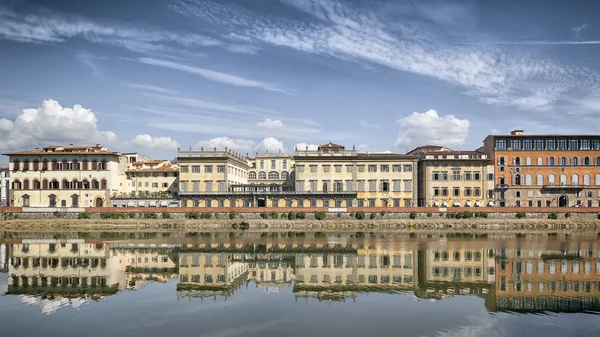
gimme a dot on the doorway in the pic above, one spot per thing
(563, 201)
(261, 202)
(74, 200)
(52, 200)
(98, 202)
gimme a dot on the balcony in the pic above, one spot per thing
(564, 186)
(501, 186)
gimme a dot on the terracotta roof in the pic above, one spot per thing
(455, 152)
(156, 161)
(375, 154)
(59, 153)
(157, 169)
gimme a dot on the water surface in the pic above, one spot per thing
(289, 284)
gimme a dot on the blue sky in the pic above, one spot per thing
(154, 75)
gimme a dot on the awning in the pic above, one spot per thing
(469, 203)
(477, 204)
(123, 204)
(131, 204)
(142, 204)
(491, 203)
(444, 204)
(164, 203)
(456, 204)
(152, 203)
(436, 204)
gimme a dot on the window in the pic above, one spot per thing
(586, 179)
(573, 144)
(371, 202)
(407, 185)
(208, 169)
(361, 168)
(185, 169)
(300, 168)
(563, 179)
(528, 180)
(516, 144)
(273, 165)
(154, 185)
(361, 186)
(372, 168)
(528, 144)
(349, 168)
(313, 185)
(208, 186)
(539, 180)
(384, 168)
(284, 164)
(490, 177)
(477, 176)
(384, 186)
(500, 144)
(444, 191)
(273, 175)
(325, 168)
(285, 175)
(407, 168)
(396, 168)
(338, 186)
(184, 186)
(313, 168)
(349, 186)
(538, 144)
(372, 185)
(338, 168)
(221, 169)
(252, 175)
(468, 175)
(262, 175)
(527, 161)
(477, 191)
(467, 191)
(456, 192)
(436, 191)
(575, 179)
(262, 164)
(550, 144)
(574, 161)
(397, 186)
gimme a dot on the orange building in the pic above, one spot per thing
(545, 170)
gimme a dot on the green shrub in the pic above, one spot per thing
(231, 234)
(360, 215)
(232, 214)
(339, 215)
(373, 215)
(244, 225)
(58, 214)
(481, 215)
(568, 215)
(217, 215)
(553, 216)
(352, 215)
(112, 215)
(192, 215)
(320, 215)
(84, 215)
(166, 215)
(264, 235)
(360, 234)
(521, 215)
(598, 216)
(150, 215)
(292, 234)
(382, 213)
(234, 225)
(284, 216)
(292, 216)
(264, 214)
(413, 215)
(474, 226)
(301, 215)
(274, 235)
(131, 215)
(429, 214)
(274, 215)
(320, 235)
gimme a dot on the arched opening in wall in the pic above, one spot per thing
(25, 200)
(74, 200)
(261, 202)
(52, 201)
(98, 202)
(563, 201)
(518, 179)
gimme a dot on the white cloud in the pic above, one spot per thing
(211, 74)
(360, 33)
(147, 141)
(148, 87)
(270, 144)
(366, 124)
(430, 128)
(53, 124)
(302, 147)
(271, 124)
(579, 29)
(238, 145)
(48, 27)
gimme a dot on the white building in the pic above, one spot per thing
(4, 186)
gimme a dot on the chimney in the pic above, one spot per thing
(71, 145)
(516, 133)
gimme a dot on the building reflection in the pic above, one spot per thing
(551, 274)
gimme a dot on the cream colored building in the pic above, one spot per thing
(5, 183)
(271, 169)
(71, 176)
(152, 178)
(332, 176)
(449, 178)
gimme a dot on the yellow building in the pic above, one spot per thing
(271, 169)
(332, 176)
(71, 176)
(450, 178)
(152, 178)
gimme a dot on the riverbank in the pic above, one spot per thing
(303, 225)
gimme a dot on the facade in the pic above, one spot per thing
(73, 176)
(4, 186)
(151, 178)
(268, 169)
(335, 177)
(545, 170)
(449, 178)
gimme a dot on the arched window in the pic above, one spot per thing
(539, 179)
(17, 184)
(16, 165)
(65, 184)
(65, 165)
(102, 165)
(285, 175)
(563, 179)
(54, 184)
(76, 165)
(517, 179)
(25, 165)
(36, 165)
(574, 179)
(273, 175)
(252, 175)
(94, 165)
(587, 179)
(563, 161)
(103, 184)
(540, 161)
(75, 184)
(597, 180)
(517, 161)
(95, 184)
(528, 180)
(598, 161)
(574, 161)
(45, 184)
(26, 184)
(262, 175)
(85, 165)
(37, 185)
(587, 161)
(527, 161)
(54, 165)
(551, 161)
(551, 180)
(45, 165)
(85, 184)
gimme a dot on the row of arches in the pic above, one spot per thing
(563, 179)
(54, 184)
(561, 161)
(273, 175)
(64, 165)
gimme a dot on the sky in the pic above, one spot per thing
(272, 75)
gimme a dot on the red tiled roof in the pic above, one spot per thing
(157, 169)
(156, 161)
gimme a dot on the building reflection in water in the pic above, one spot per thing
(551, 274)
